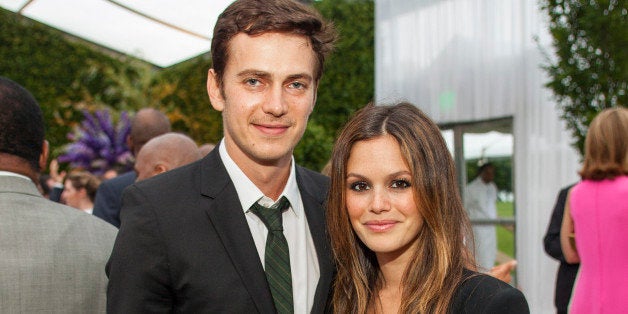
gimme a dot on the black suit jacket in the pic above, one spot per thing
(483, 294)
(109, 197)
(566, 272)
(184, 245)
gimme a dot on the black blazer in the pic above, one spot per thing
(184, 245)
(109, 197)
(567, 273)
(483, 294)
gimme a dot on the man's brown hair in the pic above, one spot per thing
(255, 17)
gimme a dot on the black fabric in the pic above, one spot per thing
(483, 294)
(566, 275)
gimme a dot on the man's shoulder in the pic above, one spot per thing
(61, 219)
(313, 183)
(312, 177)
(182, 179)
(119, 182)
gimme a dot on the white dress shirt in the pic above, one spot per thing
(303, 260)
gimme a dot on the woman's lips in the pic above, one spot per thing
(380, 225)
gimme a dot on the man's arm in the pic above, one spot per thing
(567, 239)
(551, 241)
(138, 272)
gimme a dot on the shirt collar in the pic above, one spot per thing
(13, 174)
(248, 193)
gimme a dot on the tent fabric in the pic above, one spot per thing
(161, 32)
(463, 61)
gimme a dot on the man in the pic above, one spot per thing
(164, 153)
(52, 256)
(566, 276)
(481, 204)
(147, 123)
(191, 240)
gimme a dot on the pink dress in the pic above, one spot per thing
(600, 213)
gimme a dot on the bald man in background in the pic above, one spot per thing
(146, 124)
(164, 153)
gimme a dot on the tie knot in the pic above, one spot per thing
(271, 216)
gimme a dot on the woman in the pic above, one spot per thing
(597, 209)
(79, 190)
(397, 224)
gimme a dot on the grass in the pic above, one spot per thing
(505, 234)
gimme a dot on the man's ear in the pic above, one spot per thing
(129, 143)
(43, 157)
(213, 90)
(160, 168)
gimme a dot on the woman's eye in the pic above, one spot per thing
(400, 184)
(359, 186)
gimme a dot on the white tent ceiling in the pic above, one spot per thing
(162, 32)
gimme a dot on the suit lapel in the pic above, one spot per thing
(220, 201)
(313, 197)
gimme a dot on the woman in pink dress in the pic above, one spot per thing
(596, 218)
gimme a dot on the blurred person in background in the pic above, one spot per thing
(566, 274)
(594, 231)
(480, 201)
(164, 153)
(52, 256)
(206, 148)
(146, 124)
(80, 190)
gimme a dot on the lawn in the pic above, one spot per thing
(505, 234)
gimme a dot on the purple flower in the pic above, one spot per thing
(98, 145)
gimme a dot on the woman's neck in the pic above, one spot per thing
(392, 269)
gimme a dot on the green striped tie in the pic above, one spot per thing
(276, 257)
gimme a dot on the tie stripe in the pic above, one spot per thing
(276, 256)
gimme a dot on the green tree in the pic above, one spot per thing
(47, 63)
(68, 75)
(349, 79)
(590, 69)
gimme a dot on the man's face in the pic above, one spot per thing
(488, 175)
(268, 93)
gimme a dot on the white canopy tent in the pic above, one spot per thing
(466, 62)
(161, 32)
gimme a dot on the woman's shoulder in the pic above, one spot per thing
(481, 293)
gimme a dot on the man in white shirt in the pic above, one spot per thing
(481, 204)
(191, 240)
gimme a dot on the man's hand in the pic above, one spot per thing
(502, 271)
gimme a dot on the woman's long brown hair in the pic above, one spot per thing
(435, 272)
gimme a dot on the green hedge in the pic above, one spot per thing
(67, 75)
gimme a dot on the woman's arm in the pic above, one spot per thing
(567, 236)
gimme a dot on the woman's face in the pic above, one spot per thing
(70, 195)
(380, 198)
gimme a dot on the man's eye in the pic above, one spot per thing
(297, 85)
(359, 186)
(252, 82)
(400, 184)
